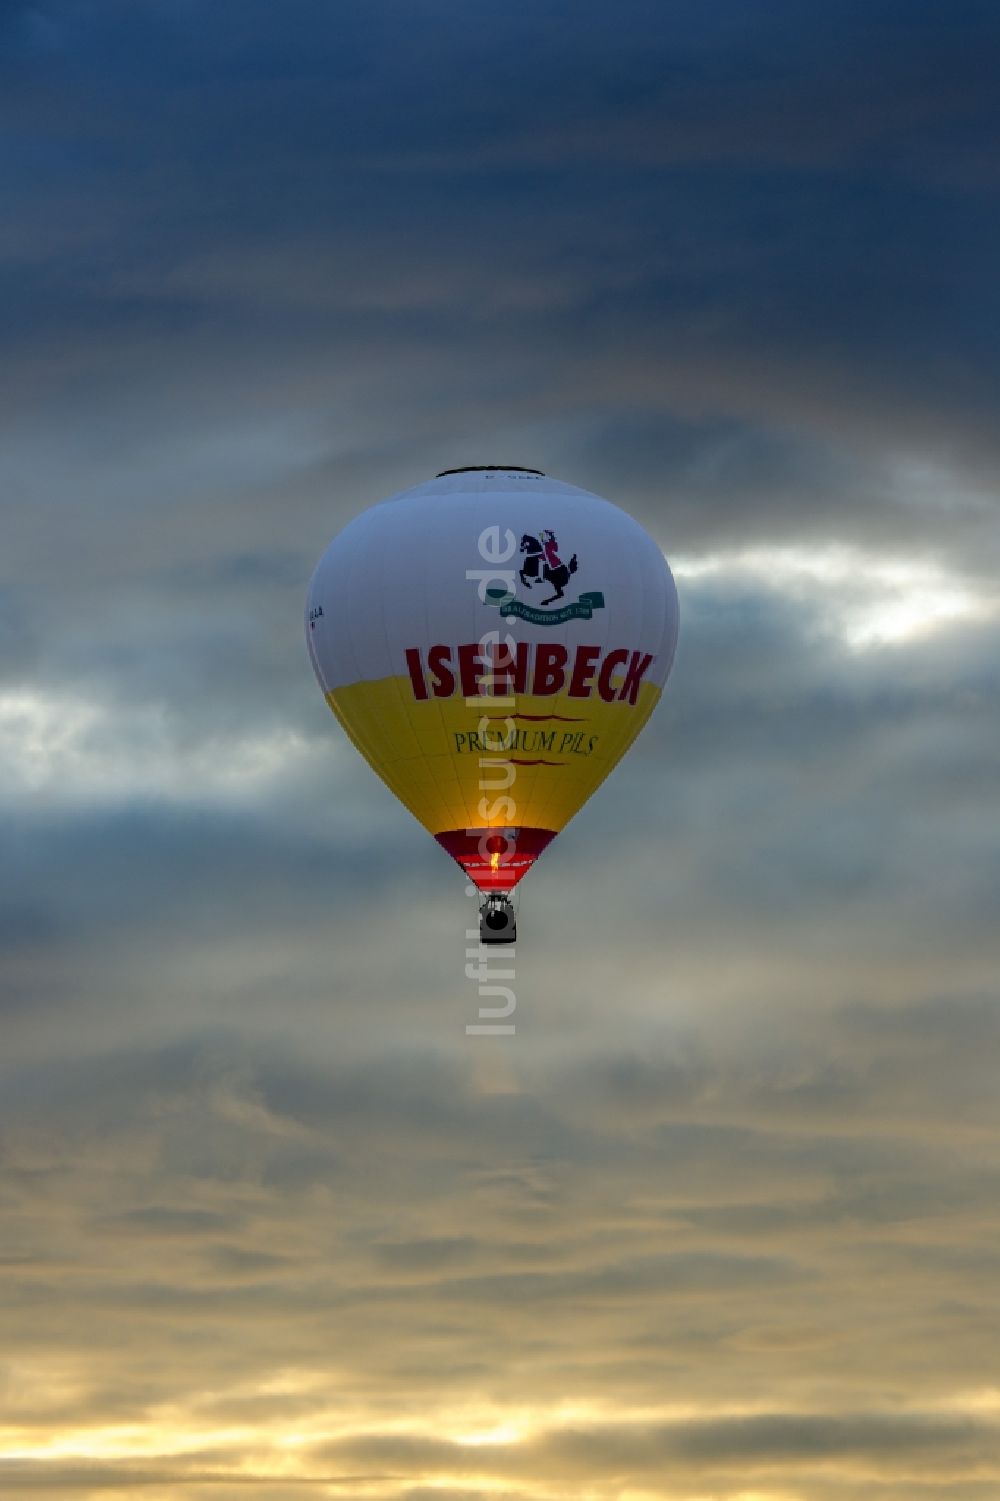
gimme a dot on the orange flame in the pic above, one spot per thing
(495, 861)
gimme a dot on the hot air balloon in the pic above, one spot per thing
(492, 641)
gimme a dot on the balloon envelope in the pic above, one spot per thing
(492, 641)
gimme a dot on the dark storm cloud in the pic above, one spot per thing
(263, 269)
(307, 198)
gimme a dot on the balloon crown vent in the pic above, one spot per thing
(486, 468)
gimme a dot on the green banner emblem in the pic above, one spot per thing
(581, 609)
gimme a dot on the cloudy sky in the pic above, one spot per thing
(720, 1221)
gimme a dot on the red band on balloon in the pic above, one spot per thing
(495, 859)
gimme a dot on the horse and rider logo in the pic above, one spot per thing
(543, 566)
(541, 557)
